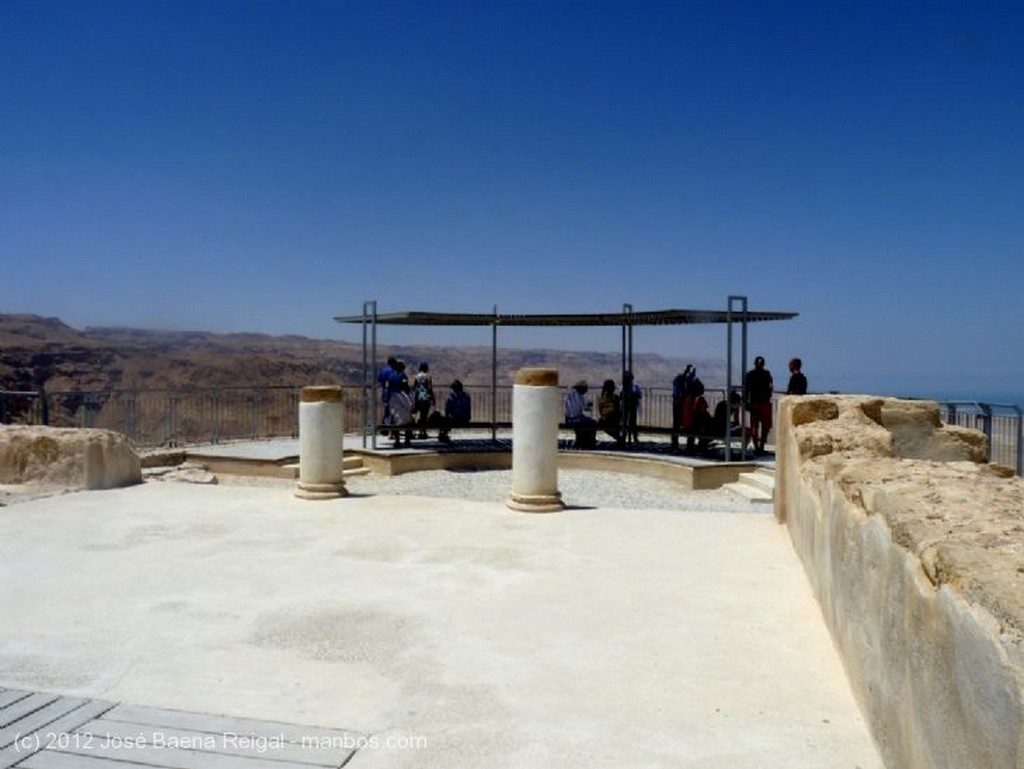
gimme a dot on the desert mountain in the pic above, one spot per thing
(37, 351)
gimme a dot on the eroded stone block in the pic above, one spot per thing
(68, 458)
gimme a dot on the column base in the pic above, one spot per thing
(320, 490)
(536, 503)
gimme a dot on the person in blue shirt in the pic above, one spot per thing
(384, 381)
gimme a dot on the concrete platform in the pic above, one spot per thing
(455, 633)
(279, 457)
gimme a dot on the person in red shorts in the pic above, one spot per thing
(759, 387)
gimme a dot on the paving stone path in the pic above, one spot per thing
(47, 731)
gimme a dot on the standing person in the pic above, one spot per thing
(423, 397)
(759, 386)
(384, 380)
(797, 381)
(396, 379)
(631, 395)
(680, 389)
(401, 413)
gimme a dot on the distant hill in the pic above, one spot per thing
(37, 351)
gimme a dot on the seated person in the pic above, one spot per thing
(457, 411)
(696, 419)
(609, 410)
(718, 421)
(576, 406)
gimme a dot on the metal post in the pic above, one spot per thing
(217, 410)
(627, 338)
(494, 376)
(211, 415)
(729, 320)
(728, 381)
(257, 408)
(172, 416)
(986, 426)
(367, 386)
(129, 415)
(627, 365)
(1020, 441)
(629, 312)
(370, 385)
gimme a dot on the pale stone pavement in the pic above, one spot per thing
(451, 632)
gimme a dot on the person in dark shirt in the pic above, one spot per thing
(759, 387)
(458, 409)
(631, 395)
(609, 409)
(727, 413)
(797, 381)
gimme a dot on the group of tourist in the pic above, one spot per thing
(759, 388)
(691, 415)
(616, 411)
(408, 406)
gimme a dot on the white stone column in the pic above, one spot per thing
(536, 407)
(321, 454)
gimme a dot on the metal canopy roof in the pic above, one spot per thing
(737, 313)
(643, 318)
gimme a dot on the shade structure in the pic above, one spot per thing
(736, 311)
(625, 318)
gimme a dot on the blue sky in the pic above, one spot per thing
(265, 166)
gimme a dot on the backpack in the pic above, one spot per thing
(421, 390)
(683, 384)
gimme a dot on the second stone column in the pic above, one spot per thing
(536, 406)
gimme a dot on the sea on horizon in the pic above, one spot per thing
(991, 397)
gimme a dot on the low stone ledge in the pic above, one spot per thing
(915, 550)
(67, 458)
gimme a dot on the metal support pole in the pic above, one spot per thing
(494, 376)
(623, 367)
(629, 314)
(370, 374)
(728, 382)
(627, 365)
(741, 303)
(627, 338)
(367, 390)
(1020, 440)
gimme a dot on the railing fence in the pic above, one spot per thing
(171, 418)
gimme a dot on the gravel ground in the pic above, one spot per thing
(580, 488)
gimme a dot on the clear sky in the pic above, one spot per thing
(265, 166)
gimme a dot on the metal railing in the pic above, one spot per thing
(171, 418)
(164, 418)
(1001, 423)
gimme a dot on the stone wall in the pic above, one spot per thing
(67, 458)
(915, 550)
